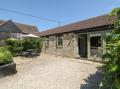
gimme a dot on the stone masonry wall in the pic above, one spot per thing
(67, 50)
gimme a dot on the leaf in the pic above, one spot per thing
(113, 68)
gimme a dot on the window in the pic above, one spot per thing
(95, 46)
(12, 35)
(47, 42)
(95, 41)
(15, 35)
(59, 40)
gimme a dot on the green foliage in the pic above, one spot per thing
(111, 79)
(32, 43)
(16, 46)
(5, 56)
(115, 11)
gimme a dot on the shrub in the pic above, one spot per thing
(5, 56)
(14, 46)
(111, 79)
(32, 43)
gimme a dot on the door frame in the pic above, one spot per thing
(82, 51)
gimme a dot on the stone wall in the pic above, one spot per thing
(67, 50)
(70, 44)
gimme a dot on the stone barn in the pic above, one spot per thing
(84, 39)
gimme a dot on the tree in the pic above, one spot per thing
(111, 79)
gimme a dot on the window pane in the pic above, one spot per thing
(95, 41)
(95, 45)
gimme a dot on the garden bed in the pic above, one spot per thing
(7, 69)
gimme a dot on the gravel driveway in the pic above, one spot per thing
(51, 72)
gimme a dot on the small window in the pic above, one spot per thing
(47, 42)
(60, 41)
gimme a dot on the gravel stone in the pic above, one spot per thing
(52, 72)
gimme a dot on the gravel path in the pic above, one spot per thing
(50, 72)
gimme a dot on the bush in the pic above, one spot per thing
(5, 56)
(14, 46)
(111, 79)
(32, 43)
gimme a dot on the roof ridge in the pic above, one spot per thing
(17, 23)
(22, 27)
(93, 22)
(12, 23)
(24, 24)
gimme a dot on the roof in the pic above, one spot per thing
(9, 26)
(24, 28)
(99, 21)
(2, 22)
(27, 28)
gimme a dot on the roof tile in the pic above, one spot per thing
(103, 20)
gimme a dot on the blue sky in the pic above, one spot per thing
(66, 11)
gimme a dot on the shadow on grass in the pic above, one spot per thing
(92, 82)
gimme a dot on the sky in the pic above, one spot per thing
(66, 11)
